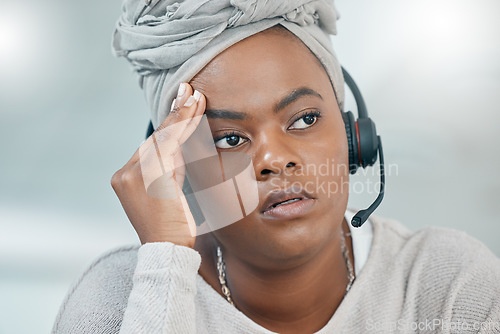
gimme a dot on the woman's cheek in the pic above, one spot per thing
(329, 175)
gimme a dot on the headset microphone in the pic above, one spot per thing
(364, 143)
(362, 215)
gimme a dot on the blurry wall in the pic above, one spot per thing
(71, 114)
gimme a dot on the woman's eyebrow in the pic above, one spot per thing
(226, 114)
(236, 115)
(295, 95)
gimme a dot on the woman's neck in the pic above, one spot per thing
(297, 300)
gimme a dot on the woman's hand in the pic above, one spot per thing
(161, 213)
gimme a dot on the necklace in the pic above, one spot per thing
(345, 252)
(221, 268)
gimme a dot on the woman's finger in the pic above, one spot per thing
(184, 93)
(172, 127)
(195, 120)
(173, 134)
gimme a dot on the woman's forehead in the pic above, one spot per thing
(267, 60)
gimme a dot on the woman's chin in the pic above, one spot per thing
(286, 238)
(293, 246)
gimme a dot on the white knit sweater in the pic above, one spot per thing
(434, 280)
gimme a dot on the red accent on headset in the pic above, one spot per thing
(359, 144)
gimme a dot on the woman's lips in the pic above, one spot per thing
(289, 210)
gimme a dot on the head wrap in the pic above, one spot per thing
(169, 42)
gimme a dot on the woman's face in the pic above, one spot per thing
(292, 140)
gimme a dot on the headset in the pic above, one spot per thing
(363, 142)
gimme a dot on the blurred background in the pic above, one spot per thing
(71, 115)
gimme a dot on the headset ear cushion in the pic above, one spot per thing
(368, 141)
(352, 141)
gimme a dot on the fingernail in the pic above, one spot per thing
(190, 101)
(182, 90)
(173, 104)
(197, 95)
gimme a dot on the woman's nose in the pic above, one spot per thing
(276, 155)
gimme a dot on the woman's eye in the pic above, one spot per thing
(229, 141)
(305, 121)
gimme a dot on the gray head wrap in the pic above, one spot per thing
(169, 42)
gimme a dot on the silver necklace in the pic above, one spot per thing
(345, 252)
(221, 268)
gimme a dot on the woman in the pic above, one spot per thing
(265, 77)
